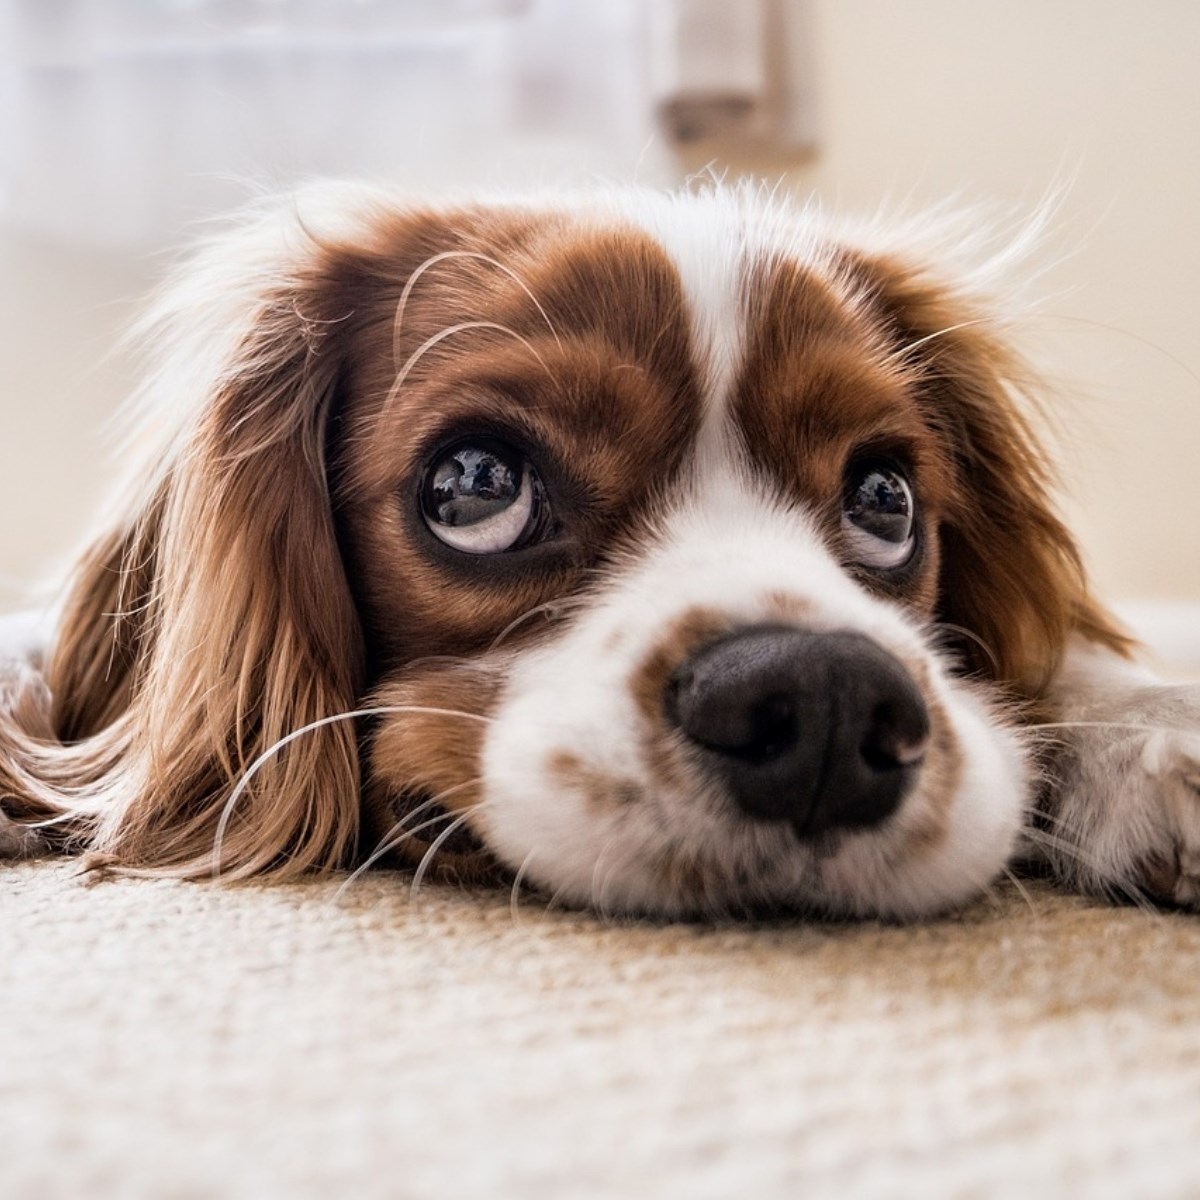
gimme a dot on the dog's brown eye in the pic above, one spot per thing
(482, 497)
(878, 516)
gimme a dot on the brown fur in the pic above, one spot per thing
(1011, 574)
(274, 571)
(214, 623)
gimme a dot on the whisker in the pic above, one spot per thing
(514, 903)
(554, 897)
(429, 343)
(392, 843)
(1131, 725)
(554, 607)
(1061, 823)
(459, 254)
(598, 901)
(1149, 343)
(252, 770)
(1067, 847)
(971, 636)
(399, 833)
(909, 347)
(1022, 891)
(1045, 740)
(429, 855)
(1076, 854)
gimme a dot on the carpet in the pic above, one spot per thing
(175, 1040)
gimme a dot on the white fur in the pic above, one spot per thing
(728, 547)
(1127, 776)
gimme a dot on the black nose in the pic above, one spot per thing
(823, 730)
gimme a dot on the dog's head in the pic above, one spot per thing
(685, 551)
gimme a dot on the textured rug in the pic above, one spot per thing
(175, 1040)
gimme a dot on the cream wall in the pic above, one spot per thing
(60, 314)
(996, 100)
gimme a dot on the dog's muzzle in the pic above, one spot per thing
(820, 730)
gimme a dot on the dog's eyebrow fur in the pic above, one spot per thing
(1011, 573)
(606, 407)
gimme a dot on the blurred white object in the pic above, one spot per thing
(709, 60)
(738, 72)
(120, 122)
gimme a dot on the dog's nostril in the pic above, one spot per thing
(896, 737)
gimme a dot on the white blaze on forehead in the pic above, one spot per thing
(710, 258)
(721, 242)
(708, 240)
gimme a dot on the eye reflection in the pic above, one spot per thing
(473, 483)
(878, 516)
(481, 496)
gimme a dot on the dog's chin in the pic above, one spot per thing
(762, 874)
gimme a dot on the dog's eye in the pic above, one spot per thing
(878, 516)
(482, 497)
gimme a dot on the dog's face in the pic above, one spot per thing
(684, 549)
(658, 496)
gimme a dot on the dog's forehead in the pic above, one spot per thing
(783, 330)
(727, 255)
(642, 329)
(795, 365)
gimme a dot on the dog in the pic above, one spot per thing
(672, 554)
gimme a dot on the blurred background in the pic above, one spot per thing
(122, 124)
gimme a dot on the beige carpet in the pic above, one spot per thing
(179, 1040)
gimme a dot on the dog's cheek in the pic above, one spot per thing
(570, 806)
(423, 777)
(953, 836)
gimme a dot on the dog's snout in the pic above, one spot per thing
(822, 730)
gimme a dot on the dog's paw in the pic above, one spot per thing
(1171, 761)
(1123, 817)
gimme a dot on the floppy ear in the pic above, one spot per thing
(213, 619)
(1011, 574)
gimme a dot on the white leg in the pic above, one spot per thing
(1121, 810)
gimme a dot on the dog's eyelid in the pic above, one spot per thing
(477, 428)
(897, 455)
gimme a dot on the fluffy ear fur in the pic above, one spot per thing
(213, 618)
(1011, 574)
